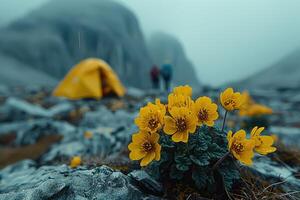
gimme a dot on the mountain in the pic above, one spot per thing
(50, 40)
(166, 48)
(283, 74)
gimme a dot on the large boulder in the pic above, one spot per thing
(25, 181)
(51, 39)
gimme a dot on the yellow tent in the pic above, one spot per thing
(91, 78)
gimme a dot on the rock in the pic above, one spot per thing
(20, 109)
(105, 142)
(276, 172)
(62, 182)
(135, 93)
(146, 182)
(288, 135)
(105, 118)
(29, 132)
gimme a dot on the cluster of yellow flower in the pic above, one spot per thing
(181, 116)
(250, 108)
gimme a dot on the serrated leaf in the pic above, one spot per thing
(182, 167)
(200, 178)
(201, 160)
(215, 152)
(175, 174)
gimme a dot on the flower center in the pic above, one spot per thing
(147, 146)
(229, 102)
(203, 115)
(181, 124)
(153, 123)
(238, 147)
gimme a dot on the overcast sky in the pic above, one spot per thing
(225, 39)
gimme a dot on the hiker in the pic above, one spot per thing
(166, 73)
(154, 73)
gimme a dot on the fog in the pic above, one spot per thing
(226, 40)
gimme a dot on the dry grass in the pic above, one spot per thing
(254, 187)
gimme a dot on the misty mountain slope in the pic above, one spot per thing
(13, 73)
(165, 47)
(62, 32)
(283, 74)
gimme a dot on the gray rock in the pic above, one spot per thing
(135, 93)
(29, 132)
(146, 181)
(17, 109)
(62, 182)
(105, 118)
(276, 172)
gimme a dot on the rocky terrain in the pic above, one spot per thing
(39, 135)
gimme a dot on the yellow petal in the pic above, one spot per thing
(229, 139)
(253, 131)
(170, 125)
(137, 154)
(147, 159)
(265, 150)
(154, 137)
(266, 140)
(180, 137)
(157, 152)
(210, 123)
(240, 135)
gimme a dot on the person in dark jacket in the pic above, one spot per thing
(154, 73)
(166, 73)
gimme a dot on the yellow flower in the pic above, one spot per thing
(258, 109)
(206, 111)
(231, 100)
(263, 144)
(247, 101)
(183, 90)
(75, 162)
(241, 147)
(144, 146)
(151, 117)
(181, 122)
(179, 100)
(88, 134)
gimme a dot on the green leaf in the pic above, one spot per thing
(201, 160)
(166, 141)
(176, 174)
(182, 163)
(202, 178)
(182, 167)
(215, 152)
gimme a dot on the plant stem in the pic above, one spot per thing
(220, 161)
(224, 120)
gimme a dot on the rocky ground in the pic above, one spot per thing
(39, 134)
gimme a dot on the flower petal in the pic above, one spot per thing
(170, 125)
(137, 154)
(147, 159)
(157, 152)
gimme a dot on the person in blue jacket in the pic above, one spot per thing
(166, 72)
